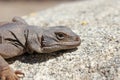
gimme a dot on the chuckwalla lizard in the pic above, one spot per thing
(17, 37)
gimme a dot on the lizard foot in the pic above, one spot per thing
(9, 74)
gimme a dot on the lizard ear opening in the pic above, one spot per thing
(42, 41)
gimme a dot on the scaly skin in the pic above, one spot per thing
(18, 37)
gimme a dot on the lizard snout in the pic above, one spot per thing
(78, 40)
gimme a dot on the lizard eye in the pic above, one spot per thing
(60, 36)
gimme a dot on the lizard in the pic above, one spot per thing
(18, 37)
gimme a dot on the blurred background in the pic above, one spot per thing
(11, 8)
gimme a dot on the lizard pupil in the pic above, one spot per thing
(60, 36)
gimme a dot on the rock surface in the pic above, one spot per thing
(97, 22)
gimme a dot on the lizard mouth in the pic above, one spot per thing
(59, 46)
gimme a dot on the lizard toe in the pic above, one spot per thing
(3, 78)
(19, 73)
(9, 74)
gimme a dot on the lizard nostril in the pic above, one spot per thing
(77, 38)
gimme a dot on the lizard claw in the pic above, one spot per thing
(19, 73)
(9, 74)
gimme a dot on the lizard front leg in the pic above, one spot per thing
(8, 51)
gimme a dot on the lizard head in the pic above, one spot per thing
(59, 38)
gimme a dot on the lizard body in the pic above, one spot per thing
(18, 37)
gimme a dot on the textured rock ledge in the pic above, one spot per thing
(97, 22)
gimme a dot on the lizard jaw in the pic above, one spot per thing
(60, 46)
